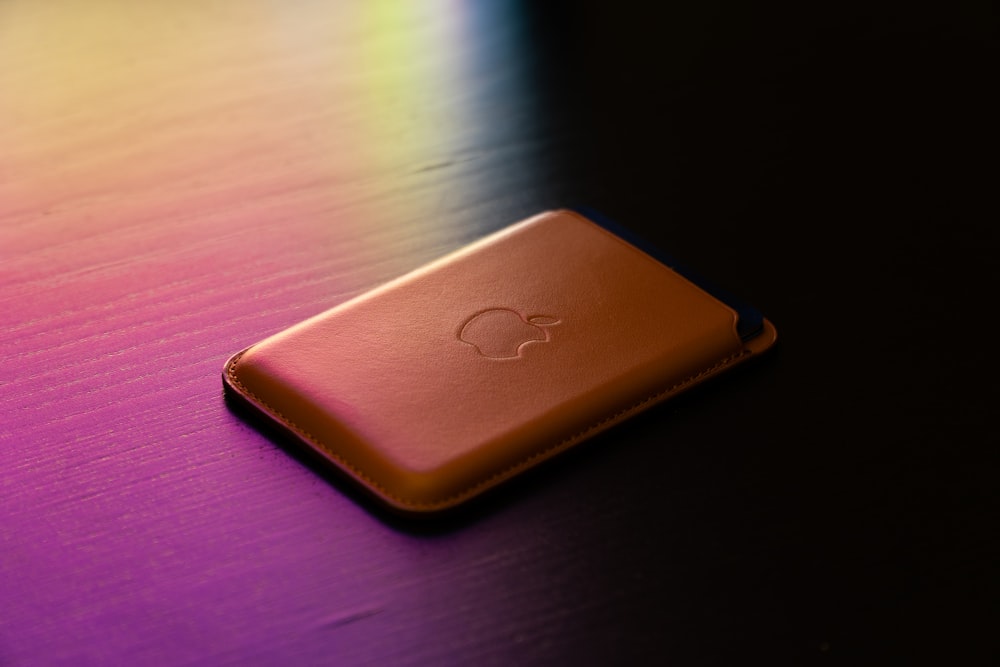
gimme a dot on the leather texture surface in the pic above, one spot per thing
(452, 378)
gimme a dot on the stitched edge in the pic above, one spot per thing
(496, 477)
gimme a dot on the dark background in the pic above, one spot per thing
(836, 165)
(833, 502)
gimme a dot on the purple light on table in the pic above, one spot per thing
(177, 183)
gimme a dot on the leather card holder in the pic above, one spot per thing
(443, 383)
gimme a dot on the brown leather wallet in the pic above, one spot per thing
(447, 381)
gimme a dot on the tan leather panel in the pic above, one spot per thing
(451, 378)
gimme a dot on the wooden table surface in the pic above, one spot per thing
(180, 179)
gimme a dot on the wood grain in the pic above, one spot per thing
(179, 180)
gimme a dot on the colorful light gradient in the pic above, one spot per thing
(177, 181)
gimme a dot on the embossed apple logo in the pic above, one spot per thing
(500, 333)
